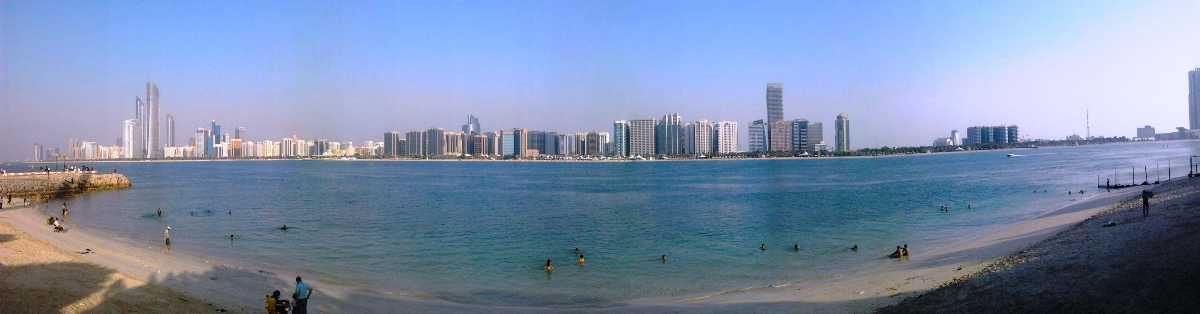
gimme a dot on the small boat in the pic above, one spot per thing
(1015, 155)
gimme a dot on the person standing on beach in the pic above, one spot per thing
(1146, 195)
(64, 210)
(303, 291)
(167, 237)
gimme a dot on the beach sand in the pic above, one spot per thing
(145, 273)
(1144, 265)
(36, 277)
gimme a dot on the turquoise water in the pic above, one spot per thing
(478, 232)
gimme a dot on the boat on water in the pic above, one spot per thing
(1015, 155)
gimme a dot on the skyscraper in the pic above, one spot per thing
(955, 138)
(816, 136)
(435, 142)
(774, 102)
(799, 135)
(129, 131)
(779, 136)
(240, 133)
(171, 130)
(641, 137)
(416, 143)
(726, 134)
(472, 125)
(1013, 134)
(1194, 98)
(521, 143)
(842, 133)
(391, 144)
(667, 135)
(758, 136)
(621, 138)
(139, 117)
(154, 143)
(700, 140)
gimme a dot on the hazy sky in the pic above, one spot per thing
(905, 71)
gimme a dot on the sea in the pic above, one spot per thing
(480, 232)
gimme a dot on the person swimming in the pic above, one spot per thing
(549, 266)
(582, 260)
(796, 247)
(762, 246)
(284, 228)
(904, 250)
(158, 211)
(663, 258)
(896, 254)
(854, 248)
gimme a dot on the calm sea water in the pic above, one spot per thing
(478, 232)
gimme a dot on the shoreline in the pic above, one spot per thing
(1113, 261)
(234, 287)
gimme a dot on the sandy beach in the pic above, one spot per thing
(1140, 264)
(134, 271)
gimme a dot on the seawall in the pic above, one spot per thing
(42, 186)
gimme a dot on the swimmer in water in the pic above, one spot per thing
(664, 259)
(549, 266)
(231, 237)
(796, 247)
(284, 228)
(158, 212)
(582, 260)
(854, 248)
(762, 246)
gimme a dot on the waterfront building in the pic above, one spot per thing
(816, 137)
(1145, 133)
(1194, 99)
(550, 143)
(758, 136)
(171, 130)
(1014, 135)
(39, 154)
(199, 147)
(700, 140)
(974, 135)
(492, 147)
(621, 138)
(240, 133)
(726, 137)
(799, 135)
(779, 135)
(521, 142)
(955, 138)
(415, 141)
(537, 141)
(129, 133)
(605, 143)
(478, 145)
(508, 144)
(435, 142)
(391, 144)
(642, 137)
(841, 134)
(999, 135)
(667, 135)
(454, 144)
(139, 117)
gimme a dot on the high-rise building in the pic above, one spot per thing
(521, 142)
(391, 144)
(593, 145)
(726, 137)
(1000, 134)
(621, 138)
(129, 133)
(799, 135)
(841, 134)
(774, 102)
(816, 137)
(493, 144)
(472, 125)
(435, 142)
(758, 136)
(700, 140)
(240, 133)
(200, 146)
(779, 136)
(39, 154)
(507, 144)
(667, 135)
(642, 137)
(1194, 99)
(416, 143)
(171, 130)
(955, 138)
(550, 143)
(974, 136)
(139, 117)
(154, 143)
(605, 144)
(1014, 136)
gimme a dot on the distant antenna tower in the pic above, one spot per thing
(1087, 118)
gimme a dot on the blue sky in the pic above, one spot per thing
(905, 71)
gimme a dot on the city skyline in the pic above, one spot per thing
(1040, 73)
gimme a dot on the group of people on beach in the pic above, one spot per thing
(298, 304)
(549, 266)
(55, 223)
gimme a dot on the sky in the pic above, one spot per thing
(905, 72)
